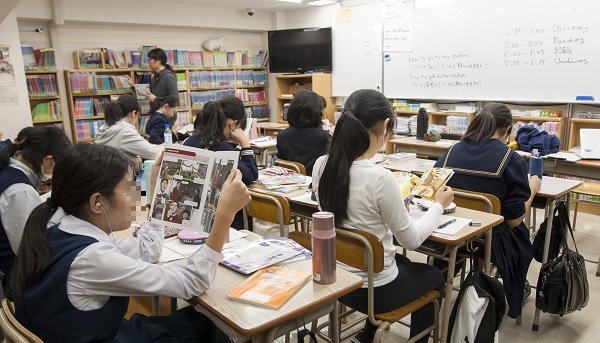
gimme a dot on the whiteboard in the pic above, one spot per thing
(353, 67)
(536, 50)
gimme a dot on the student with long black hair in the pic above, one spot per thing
(305, 140)
(365, 196)
(84, 277)
(155, 127)
(120, 132)
(23, 166)
(219, 123)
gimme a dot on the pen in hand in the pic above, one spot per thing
(443, 225)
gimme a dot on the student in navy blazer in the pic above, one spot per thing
(155, 127)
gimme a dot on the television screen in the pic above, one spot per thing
(300, 50)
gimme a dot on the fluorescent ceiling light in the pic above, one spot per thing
(322, 2)
(294, 1)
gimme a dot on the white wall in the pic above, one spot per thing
(14, 117)
(317, 16)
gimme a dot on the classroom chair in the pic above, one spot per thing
(271, 208)
(589, 189)
(13, 330)
(295, 166)
(364, 251)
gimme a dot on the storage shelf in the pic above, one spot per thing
(248, 104)
(44, 97)
(530, 118)
(41, 71)
(47, 121)
(585, 120)
(89, 118)
(100, 94)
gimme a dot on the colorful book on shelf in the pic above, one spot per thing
(270, 287)
(431, 181)
(28, 57)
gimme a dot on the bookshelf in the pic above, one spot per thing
(288, 85)
(44, 97)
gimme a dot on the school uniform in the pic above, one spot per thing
(163, 84)
(375, 205)
(126, 138)
(303, 145)
(83, 293)
(155, 127)
(491, 167)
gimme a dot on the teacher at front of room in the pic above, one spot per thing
(163, 81)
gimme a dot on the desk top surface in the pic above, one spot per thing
(272, 126)
(409, 165)
(554, 187)
(442, 144)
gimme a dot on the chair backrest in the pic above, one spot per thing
(483, 202)
(295, 166)
(13, 330)
(269, 207)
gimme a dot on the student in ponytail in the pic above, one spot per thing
(84, 275)
(155, 127)
(120, 131)
(490, 119)
(365, 196)
(23, 166)
(220, 127)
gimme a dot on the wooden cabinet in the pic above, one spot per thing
(44, 97)
(577, 124)
(288, 85)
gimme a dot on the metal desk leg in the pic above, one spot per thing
(569, 198)
(487, 256)
(550, 208)
(334, 323)
(448, 295)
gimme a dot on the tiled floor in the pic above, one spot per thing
(581, 326)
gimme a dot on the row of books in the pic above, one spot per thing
(251, 77)
(183, 100)
(90, 58)
(88, 107)
(212, 78)
(190, 58)
(46, 111)
(91, 83)
(41, 85)
(38, 59)
(145, 76)
(114, 59)
(588, 115)
(200, 97)
(251, 97)
(406, 125)
(88, 129)
(550, 127)
(259, 111)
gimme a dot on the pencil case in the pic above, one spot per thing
(191, 237)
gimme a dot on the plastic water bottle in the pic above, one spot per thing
(536, 165)
(168, 134)
(323, 244)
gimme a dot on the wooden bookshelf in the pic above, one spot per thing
(38, 99)
(288, 85)
(580, 123)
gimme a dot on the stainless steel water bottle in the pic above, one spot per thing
(323, 244)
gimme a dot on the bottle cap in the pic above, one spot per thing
(323, 221)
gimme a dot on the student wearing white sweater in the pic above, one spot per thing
(120, 132)
(366, 196)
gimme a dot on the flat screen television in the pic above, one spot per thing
(300, 50)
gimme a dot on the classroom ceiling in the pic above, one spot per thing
(258, 5)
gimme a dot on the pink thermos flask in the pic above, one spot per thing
(323, 244)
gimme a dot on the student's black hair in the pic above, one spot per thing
(171, 100)
(159, 54)
(113, 113)
(365, 110)
(186, 211)
(39, 143)
(84, 170)
(306, 110)
(128, 104)
(210, 124)
(491, 118)
(24, 133)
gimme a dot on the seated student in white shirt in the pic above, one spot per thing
(23, 166)
(72, 281)
(365, 196)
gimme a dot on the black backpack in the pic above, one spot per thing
(560, 217)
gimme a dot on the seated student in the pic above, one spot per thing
(221, 121)
(84, 277)
(305, 140)
(155, 127)
(20, 136)
(23, 166)
(365, 196)
(483, 163)
(120, 132)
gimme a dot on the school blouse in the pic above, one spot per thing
(102, 269)
(303, 145)
(16, 204)
(375, 205)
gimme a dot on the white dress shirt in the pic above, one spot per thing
(115, 267)
(375, 205)
(16, 204)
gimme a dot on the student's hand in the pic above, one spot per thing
(137, 164)
(150, 96)
(535, 184)
(129, 80)
(444, 196)
(234, 194)
(240, 136)
(154, 173)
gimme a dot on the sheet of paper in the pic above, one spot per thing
(305, 198)
(567, 156)
(398, 38)
(372, 39)
(169, 255)
(451, 229)
(343, 16)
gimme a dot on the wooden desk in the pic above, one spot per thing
(420, 147)
(263, 149)
(552, 189)
(410, 165)
(271, 129)
(589, 169)
(242, 322)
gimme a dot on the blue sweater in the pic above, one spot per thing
(156, 127)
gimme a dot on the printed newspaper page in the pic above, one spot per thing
(188, 186)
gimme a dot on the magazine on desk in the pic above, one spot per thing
(188, 186)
